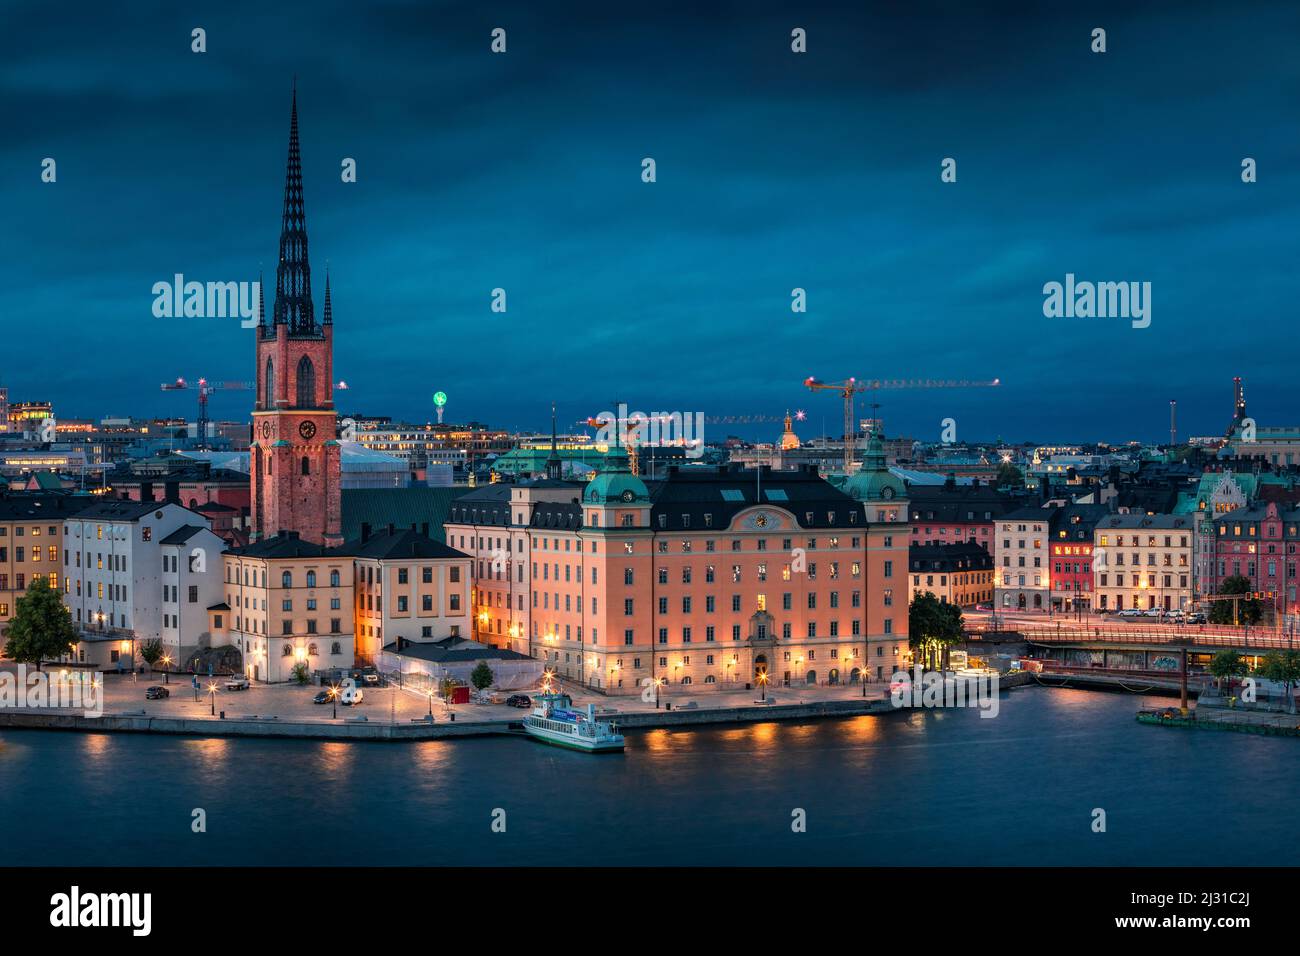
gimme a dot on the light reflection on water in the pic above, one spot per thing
(889, 789)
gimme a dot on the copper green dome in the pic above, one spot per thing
(616, 482)
(874, 481)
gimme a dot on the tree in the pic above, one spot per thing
(300, 673)
(481, 676)
(151, 651)
(1227, 664)
(1284, 668)
(1247, 611)
(932, 626)
(1009, 476)
(41, 627)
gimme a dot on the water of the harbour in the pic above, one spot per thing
(925, 788)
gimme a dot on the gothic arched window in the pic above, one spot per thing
(268, 387)
(306, 466)
(306, 383)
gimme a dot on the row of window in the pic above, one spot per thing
(36, 552)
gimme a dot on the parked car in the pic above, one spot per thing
(1131, 612)
(237, 683)
(370, 678)
(1196, 617)
(1153, 612)
(518, 700)
(322, 697)
(156, 693)
(983, 607)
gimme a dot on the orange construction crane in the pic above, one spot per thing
(853, 386)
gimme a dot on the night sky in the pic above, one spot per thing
(775, 171)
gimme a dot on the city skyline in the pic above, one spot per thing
(471, 178)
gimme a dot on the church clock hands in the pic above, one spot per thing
(307, 429)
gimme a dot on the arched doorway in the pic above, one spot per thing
(812, 677)
(760, 665)
(855, 675)
(1020, 602)
(833, 678)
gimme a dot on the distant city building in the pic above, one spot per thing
(31, 542)
(113, 576)
(960, 574)
(1143, 561)
(1021, 552)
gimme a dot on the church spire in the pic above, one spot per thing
(293, 274)
(327, 314)
(553, 467)
(261, 300)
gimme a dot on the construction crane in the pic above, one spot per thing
(851, 387)
(205, 388)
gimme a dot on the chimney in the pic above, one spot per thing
(365, 532)
(146, 491)
(951, 481)
(172, 492)
(424, 529)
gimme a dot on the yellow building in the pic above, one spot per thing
(960, 574)
(31, 543)
(291, 602)
(409, 588)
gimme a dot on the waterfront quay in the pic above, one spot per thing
(395, 713)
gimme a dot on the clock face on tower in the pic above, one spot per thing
(266, 428)
(307, 429)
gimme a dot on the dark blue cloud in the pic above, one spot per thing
(775, 171)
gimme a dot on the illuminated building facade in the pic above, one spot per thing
(1143, 561)
(706, 578)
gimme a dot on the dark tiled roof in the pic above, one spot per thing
(682, 500)
(400, 544)
(955, 503)
(400, 507)
(286, 544)
(19, 506)
(121, 509)
(965, 556)
(1077, 521)
(183, 534)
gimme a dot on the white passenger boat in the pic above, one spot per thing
(554, 721)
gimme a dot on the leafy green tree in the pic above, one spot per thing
(1009, 476)
(151, 651)
(1284, 668)
(933, 626)
(301, 673)
(1227, 664)
(481, 676)
(41, 627)
(1249, 610)
(446, 685)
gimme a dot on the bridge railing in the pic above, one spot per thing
(1156, 635)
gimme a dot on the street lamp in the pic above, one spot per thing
(212, 696)
(167, 663)
(762, 684)
(659, 682)
(334, 699)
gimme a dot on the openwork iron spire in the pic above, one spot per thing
(327, 314)
(293, 275)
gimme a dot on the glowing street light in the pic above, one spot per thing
(659, 682)
(334, 699)
(167, 663)
(762, 684)
(212, 696)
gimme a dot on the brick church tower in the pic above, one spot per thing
(295, 451)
